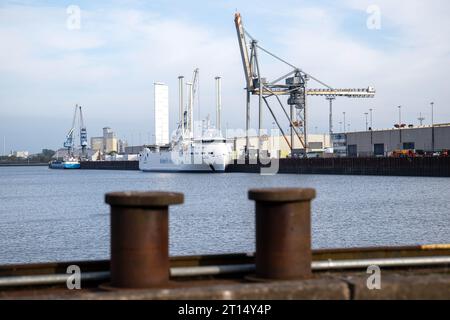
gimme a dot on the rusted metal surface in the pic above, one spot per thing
(283, 233)
(235, 258)
(408, 284)
(430, 282)
(382, 252)
(140, 238)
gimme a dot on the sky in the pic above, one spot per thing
(108, 60)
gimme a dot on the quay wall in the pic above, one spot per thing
(426, 166)
(110, 165)
(431, 167)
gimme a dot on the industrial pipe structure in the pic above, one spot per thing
(322, 265)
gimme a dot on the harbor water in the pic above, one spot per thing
(60, 215)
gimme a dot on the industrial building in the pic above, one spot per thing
(279, 144)
(97, 143)
(383, 142)
(19, 154)
(108, 143)
(90, 154)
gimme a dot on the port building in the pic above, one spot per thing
(277, 145)
(108, 143)
(383, 142)
(97, 143)
(19, 154)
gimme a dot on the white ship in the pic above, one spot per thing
(188, 155)
(207, 151)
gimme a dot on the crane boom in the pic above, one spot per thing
(244, 53)
(351, 93)
(68, 143)
(194, 82)
(83, 134)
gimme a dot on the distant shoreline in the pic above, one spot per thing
(26, 164)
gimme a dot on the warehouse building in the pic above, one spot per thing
(384, 142)
(278, 145)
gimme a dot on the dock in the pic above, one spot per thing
(384, 166)
(283, 266)
(225, 277)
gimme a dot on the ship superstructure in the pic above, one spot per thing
(195, 146)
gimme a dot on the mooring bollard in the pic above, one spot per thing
(140, 238)
(283, 232)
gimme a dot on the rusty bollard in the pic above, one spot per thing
(283, 233)
(140, 238)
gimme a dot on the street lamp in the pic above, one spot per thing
(344, 120)
(400, 126)
(365, 113)
(371, 124)
(432, 125)
(432, 113)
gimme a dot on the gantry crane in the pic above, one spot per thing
(292, 84)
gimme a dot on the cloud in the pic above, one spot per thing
(109, 65)
(405, 61)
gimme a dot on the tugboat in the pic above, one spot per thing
(64, 164)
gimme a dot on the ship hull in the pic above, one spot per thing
(186, 161)
(162, 163)
(185, 168)
(64, 165)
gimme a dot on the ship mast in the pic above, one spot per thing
(192, 89)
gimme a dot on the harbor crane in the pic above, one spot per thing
(69, 143)
(293, 84)
(83, 134)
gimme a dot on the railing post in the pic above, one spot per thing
(140, 238)
(283, 232)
